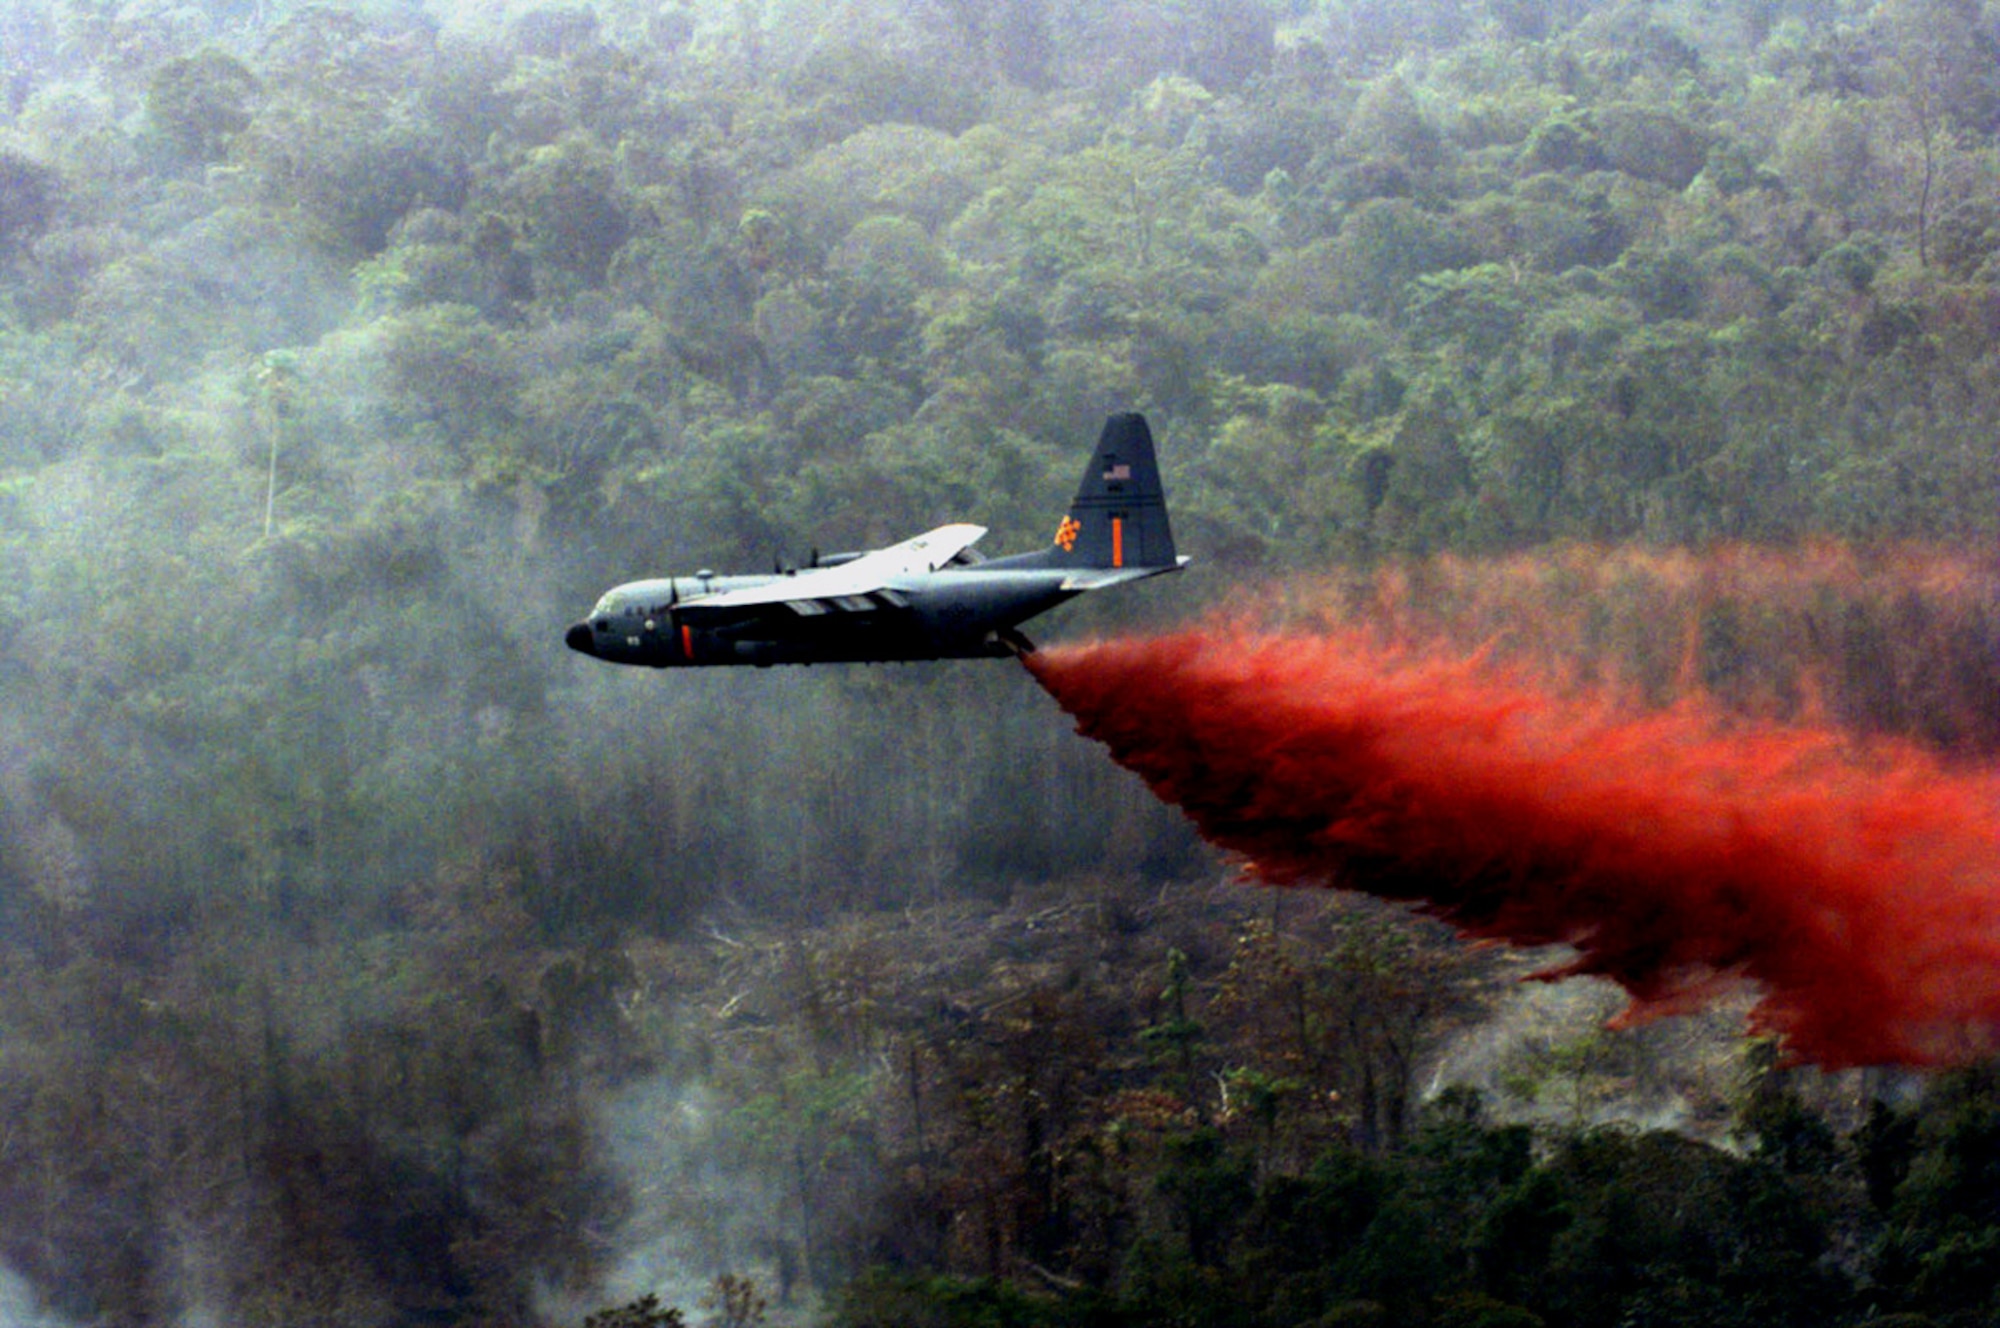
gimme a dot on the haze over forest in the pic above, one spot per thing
(367, 957)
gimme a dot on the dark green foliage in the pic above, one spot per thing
(849, 86)
(1650, 144)
(1884, 1147)
(1941, 1248)
(1795, 1139)
(563, 201)
(645, 1312)
(1207, 1190)
(1564, 142)
(1664, 1227)
(1478, 1311)
(880, 1300)
(28, 200)
(1465, 1227)
(1515, 1236)
(1302, 1225)
(1389, 242)
(199, 103)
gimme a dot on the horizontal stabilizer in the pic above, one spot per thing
(1102, 578)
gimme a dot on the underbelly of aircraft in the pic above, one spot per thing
(713, 649)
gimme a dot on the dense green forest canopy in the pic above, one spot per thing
(348, 350)
(351, 347)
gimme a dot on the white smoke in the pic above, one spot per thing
(1547, 1055)
(699, 1209)
(20, 1307)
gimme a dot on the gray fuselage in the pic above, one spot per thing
(956, 612)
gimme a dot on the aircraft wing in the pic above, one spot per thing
(860, 586)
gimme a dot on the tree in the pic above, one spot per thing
(564, 202)
(448, 369)
(1651, 144)
(1385, 244)
(1932, 66)
(1388, 123)
(198, 104)
(1208, 1189)
(29, 201)
(645, 1312)
(1175, 1038)
(1942, 1247)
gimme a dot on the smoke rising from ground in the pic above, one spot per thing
(19, 1307)
(1678, 850)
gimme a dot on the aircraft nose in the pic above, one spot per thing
(578, 639)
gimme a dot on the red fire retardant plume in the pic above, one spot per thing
(1678, 852)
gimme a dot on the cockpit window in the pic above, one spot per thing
(607, 605)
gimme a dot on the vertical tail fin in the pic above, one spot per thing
(1119, 515)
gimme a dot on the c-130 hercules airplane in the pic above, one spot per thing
(931, 597)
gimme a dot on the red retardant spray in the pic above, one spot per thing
(1679, 850)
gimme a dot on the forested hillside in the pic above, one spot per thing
(367, 957)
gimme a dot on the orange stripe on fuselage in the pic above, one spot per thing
(687, 643)
(1117, 542)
